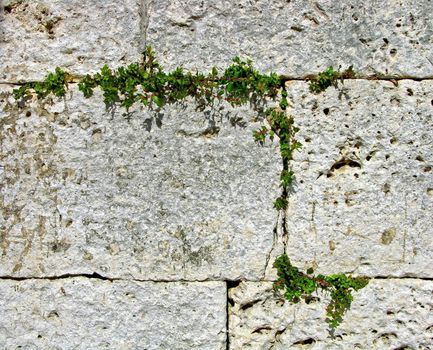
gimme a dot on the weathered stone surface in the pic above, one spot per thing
(79, 36)
(296, 37)
(387, 314)
(363, 198)
(173, 195)
(82, 313)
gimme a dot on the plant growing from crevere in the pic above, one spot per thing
(147, 83)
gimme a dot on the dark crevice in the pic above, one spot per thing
(93, 275)
(401, 278)
(230, 283)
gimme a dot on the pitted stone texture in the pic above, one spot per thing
(387, 314)
(296, 37)
(179, 194)
(363, 198)
(79, 36)
(82, 313)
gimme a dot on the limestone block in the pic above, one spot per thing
(296, 37)
(170, 195)
(82, 313)
(363, 199)
(387, 314)
(77, 35)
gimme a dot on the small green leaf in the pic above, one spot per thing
(158, 100)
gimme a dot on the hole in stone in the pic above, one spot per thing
(326, 111)
(261, 329)
(409, 92)
(427, 169)
(249, 304)
(28, 114)
(393, 140)
(305, 341)
(393, 52)
(233, 284)
(385, 41)
(349, 162)
(419, 158)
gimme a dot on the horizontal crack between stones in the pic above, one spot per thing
(284, 78)
(231, 283)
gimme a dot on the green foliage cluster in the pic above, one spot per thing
(329, 77)
(54, 83)
(297, 285)
(282, 126)
(147, 83)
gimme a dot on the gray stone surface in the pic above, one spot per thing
(82, 313)
(182, 194)
(387, 314)
(363, 198)
(296, 37)
(77, 35)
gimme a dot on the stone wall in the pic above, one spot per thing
(157, 230)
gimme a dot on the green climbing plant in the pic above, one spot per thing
(147, 83)
(296, 285)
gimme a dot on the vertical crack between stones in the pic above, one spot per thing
(285, 235)
(227, 317)
(274, 241)
(229, 302)
(144, 10)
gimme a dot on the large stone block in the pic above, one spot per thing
(82, 313)
(296, 37)
(79, 36)
(363, 198)
(170, 195)
(387, 314)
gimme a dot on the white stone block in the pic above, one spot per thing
(363, 199)
(83, 313)
(79, 36)
(175, 195)
(387, 314)
(296, 38)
